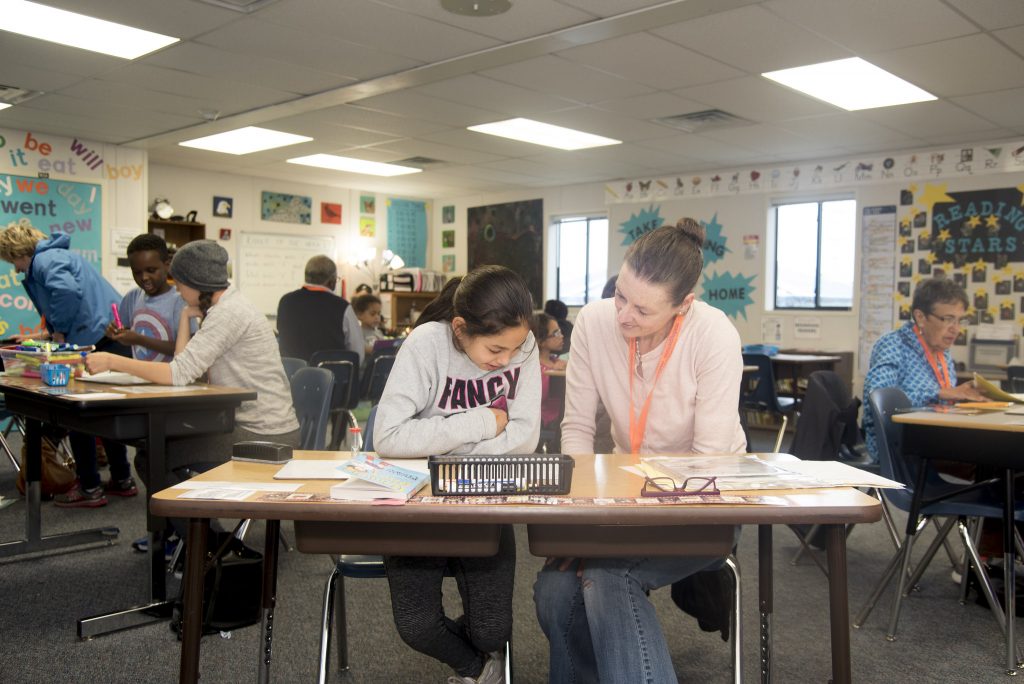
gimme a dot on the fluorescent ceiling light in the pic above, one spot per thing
(245, 140)
(4, 105)
(851, 84)
(528, 130)
(79, 30)
(372, 168)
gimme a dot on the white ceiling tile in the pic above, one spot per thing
(563, 78)
(1013, 37)
(128, 95)
(991, 134)
(842, 130)
(651, 106)
(769, 139)
(526, 18)
(608, 124)
(489, 144)
(992, 14)
(700, 147)
(262, 39)
(39, 54)
(377, 121)
(445, 153)
(609, 8)
(1004, 107)
(943, 69)
(476, 90)
(924, 119)
(753, 39)
(410, 104)
(872, 25)
(756, 98)
(634, 56)
(60, 123)
(31, 78)
(160, 16)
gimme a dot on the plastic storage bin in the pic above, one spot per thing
(23, 361)
(507, 474)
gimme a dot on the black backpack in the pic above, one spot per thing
(232, 586)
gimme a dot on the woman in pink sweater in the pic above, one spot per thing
(668, 370)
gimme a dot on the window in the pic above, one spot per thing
(814, 254)
(581, 258)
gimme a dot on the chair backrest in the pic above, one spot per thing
(1015, 376)
(379, 372)
(311, 396)
(829, 413)
(758, 389)
(884, 403)
(292, 364)
(344, 363)
(368, 430)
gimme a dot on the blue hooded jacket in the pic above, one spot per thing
(69, 292)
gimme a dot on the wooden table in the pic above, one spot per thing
(148, 419)
(582, 530)
(795, 366)
(993, 439)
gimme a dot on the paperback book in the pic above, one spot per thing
(371, 477)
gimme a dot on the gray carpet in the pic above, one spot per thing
(939, 640)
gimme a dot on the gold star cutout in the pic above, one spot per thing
(905, 221)
(944, 235)
(907, 259)
(992, 311)
(913, 189)
(930, 257)
(979, 265)
(902, 240)
(974, 221)
(935, 193)
(992, 221)
(916, 278)
(1008, 270)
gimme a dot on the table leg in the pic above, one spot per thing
(192, 609)
(839, 609)
(34, 541)
(1009, 572)
(765, 591)
(269, 598)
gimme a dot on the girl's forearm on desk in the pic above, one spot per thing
(153, 371)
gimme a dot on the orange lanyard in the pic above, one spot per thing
(940, 370)
(637, 425)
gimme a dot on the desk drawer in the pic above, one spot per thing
(396, 539)
(615, 541)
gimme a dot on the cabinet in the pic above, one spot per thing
(395, 307)
(177, 233)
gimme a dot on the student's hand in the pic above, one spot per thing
(97, 362)
(38, 336)
(125, 336)
(57, 337)
(501, 418)
(964, 392)
(566, 563)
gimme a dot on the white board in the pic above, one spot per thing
(271, 265)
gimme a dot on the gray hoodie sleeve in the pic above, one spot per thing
(522, 433)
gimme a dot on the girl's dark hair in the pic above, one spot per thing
(539, 326)
(671, 256)
(205, 302)
(489, 298)
(557, 309)
(362, 302)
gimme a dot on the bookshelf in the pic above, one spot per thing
(177, 233)
(396, 306)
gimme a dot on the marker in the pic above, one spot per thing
(117, 316)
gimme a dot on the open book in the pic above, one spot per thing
(993, 391)
(372, 478)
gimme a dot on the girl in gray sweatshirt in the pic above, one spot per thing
(467, 381)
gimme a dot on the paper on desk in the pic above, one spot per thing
(113, 378)
(217, 494)
(160, 389)
(732, 472)
(308, 469)
(838, 474)
(241, 486)
(93, 395)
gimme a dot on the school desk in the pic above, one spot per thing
(994, 439)
(579, 530)
(146, 419)
(795, 366)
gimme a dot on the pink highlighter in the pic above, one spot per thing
(117, 316)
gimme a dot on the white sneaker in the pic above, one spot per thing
(494, 670)
(461, 680)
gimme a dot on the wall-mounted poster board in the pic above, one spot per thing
(407, 231)
(271, 265)
(54, 207)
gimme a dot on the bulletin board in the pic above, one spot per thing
(272, 264)
(407, 231)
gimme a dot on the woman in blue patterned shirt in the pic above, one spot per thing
(915, 358)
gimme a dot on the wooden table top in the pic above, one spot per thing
(804, 358)
(150, 392)
(996, 421)
(594, 476)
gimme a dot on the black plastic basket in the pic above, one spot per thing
(507, 474)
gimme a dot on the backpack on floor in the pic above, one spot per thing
(232, 586)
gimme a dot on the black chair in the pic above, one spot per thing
(758, 393)
(1015, 378)
(344, 364)
(311, 396)
(291, 365)
(378, 374)
(939, 498)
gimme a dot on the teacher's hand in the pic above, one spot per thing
(964, 392)
(566, 563)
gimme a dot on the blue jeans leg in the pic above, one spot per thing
(604, 620)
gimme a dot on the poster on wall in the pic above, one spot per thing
(54, 207)
(284, 208)
(511, 235)
(407, 231)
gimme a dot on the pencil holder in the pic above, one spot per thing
(55, 374)
(507, 474)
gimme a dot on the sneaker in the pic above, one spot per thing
(170, 545)
(956, 576)
(125, 487)
(494, 670)
(79, 497)
(461, 680)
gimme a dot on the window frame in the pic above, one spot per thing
(773, 264)
(555, 233)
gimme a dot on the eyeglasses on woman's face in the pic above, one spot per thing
(951, 321)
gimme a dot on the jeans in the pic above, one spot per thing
(602, 627)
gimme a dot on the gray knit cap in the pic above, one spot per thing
(201, 265)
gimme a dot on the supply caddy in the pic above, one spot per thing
(505, 474)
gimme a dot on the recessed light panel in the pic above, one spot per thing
(851, 84)
(78, 30)
(337, 163)
(245, 140)
(528, 130)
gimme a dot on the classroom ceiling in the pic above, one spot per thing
(389, 80)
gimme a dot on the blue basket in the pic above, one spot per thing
(767, 349)
(55, 374)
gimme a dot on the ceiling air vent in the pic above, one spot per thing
(243, 6)
(11, 95)
(702, 121)
(418, 161)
